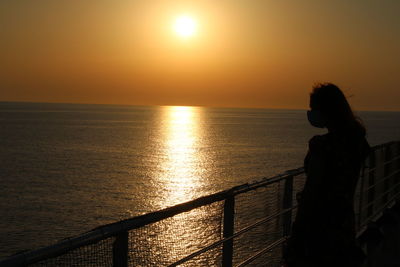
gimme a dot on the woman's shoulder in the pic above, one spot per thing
(339, 145)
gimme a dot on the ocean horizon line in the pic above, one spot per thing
(176, 105)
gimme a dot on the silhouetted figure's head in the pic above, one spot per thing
(331, 105)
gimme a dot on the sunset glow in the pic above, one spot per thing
(185, 26)
(199, 53)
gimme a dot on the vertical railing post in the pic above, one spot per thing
(371, 183)
(387, 169)
(229, 221)
(361, 196)
(287, 203)
(120, 250)
(380, 180)
(396, 167)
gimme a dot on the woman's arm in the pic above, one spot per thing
(316, 167)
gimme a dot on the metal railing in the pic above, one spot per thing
(379, 184)
(378, 189)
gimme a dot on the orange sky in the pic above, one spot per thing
(245, 53)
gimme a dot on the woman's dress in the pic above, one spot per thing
(323, 233)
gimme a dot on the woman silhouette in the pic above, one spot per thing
(323, 233)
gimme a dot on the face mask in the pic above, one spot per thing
(316, 118)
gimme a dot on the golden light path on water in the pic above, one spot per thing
(183, 171)
(181, 141)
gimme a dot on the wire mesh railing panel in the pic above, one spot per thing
(271, 258)
(379, 182)
(256, 240)
(362, 197)
(298, 184)
(212, 257)
(95, 255)
(251, 207)
(391, 170)
(254, 205)
(167, 241)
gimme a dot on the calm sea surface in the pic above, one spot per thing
(67, 168)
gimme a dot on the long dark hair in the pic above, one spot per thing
(332, 103)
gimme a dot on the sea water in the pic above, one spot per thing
(67, 168)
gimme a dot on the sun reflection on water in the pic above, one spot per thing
(180, 167)
(183, 170)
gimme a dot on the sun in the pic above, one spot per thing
(185, 26)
